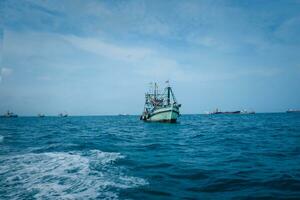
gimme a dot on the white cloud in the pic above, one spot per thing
(44, 78)
(159, 68)
(143, 62)
(152, 26)
(33, 44)
(109, 50)
(149, 63)
(57, 53)
(207, 41)
(4, 72)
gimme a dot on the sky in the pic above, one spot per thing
(98, 57)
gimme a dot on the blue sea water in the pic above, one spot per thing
(120, 157)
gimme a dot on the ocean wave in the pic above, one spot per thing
(1, 138)
(59, 175)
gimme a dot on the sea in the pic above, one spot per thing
(255, 156)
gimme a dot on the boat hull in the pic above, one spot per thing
(167, 114)
(10, 116)
(293, 111)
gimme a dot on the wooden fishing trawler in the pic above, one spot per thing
(160, 107)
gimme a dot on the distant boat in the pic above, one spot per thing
(293, 111)
(41, 115)
(217, 111)
(160, 107)
(63, 115)
(247, 112)
(9, 114)
(123, 114)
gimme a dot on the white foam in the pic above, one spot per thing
(72, 175)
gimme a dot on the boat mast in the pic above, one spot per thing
(173, 96)
(155, 90)
(168, 98)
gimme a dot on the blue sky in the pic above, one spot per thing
(98, 57)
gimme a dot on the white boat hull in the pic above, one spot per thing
(167, 114)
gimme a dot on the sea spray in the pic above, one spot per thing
(68, 175)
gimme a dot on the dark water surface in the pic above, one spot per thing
(120, 157)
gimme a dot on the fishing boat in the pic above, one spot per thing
(63, 115)
(41, 115)
(9, 114)
(160, 106)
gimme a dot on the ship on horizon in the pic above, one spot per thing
(41, 115)
(9, 114)
(217, 111)
(63, 114)
(160, 107)
(292, 111)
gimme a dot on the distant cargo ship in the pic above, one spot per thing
(247, 112)
(161, 107)
(232, 112)
(9, 114)
(293, 111)
(41, 115)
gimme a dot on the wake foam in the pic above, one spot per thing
(72, 175)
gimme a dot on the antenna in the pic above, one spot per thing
(150, 87)
(168, 83)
